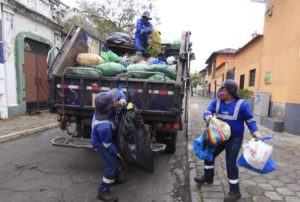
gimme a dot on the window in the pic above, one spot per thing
(230, 74)
(252, 77)
(242, 79)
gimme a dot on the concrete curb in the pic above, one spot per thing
(26, 132)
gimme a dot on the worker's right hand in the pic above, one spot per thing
(208, 118)
(256, 135)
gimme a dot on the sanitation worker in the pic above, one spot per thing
(104, 129)
(143, 30)
(229, 108)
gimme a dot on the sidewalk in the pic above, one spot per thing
(26, 124)
(281, 185)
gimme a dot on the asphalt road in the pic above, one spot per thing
(33, 170)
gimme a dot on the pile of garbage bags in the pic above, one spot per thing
(112, 65)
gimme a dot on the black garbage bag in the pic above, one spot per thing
(118, 38)
(133, 140)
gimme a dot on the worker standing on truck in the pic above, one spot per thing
(143, 30)
(104, 130)
(229, 108)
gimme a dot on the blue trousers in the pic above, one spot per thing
(111, 171)
(232, 148)
(141, 46)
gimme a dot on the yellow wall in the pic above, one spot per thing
(281, 55)
(247, 59)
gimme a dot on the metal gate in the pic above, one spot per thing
(35, 68)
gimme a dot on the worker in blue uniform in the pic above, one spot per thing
(229, 108)
(104, 128)
(143, 30)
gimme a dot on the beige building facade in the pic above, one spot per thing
(270, 63)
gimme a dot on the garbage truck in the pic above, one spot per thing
(161, 104)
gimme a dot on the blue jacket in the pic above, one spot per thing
(143, 30)
(104, 130)
(235, 114)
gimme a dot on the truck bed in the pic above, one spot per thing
(74, 95)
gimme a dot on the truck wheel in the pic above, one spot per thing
(170, 141)
(86, 131)
(168, 138)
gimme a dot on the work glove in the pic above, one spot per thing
(208, 118)
(122, 102)
(256, 135)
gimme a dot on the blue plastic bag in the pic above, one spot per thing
(269, 167)
(202, 148)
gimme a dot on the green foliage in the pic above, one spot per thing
(79, 20)
(245, 93)
(196, 79)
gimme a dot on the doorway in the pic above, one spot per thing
(35, 70)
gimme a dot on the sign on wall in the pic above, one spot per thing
(268, 77)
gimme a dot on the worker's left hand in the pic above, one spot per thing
(122, 102)
(256, 135)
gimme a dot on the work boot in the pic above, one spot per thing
(107, 196)
(232, 196)
(119, 180)
(203, 179)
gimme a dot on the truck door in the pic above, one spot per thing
(35, 68)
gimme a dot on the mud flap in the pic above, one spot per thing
(71, 142)
(158, 147)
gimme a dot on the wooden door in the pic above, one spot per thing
(35, 70)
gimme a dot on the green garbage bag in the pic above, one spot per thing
(139, 70)
(110, 68)
(85, 71)
(158, 77)
(166, 69)
(110, 56)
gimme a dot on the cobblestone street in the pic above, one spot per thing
(281, 185)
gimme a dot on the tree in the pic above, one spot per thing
(196, 79)
(115, 15)
(80, 20)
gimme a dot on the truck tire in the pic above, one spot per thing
(171, 142)
(86, 131)
(168, 138)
